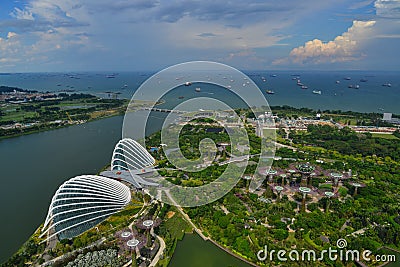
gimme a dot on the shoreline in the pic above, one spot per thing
(232, 253)
(49, 128)
(206, 238)
(279, 108)
(45, 129)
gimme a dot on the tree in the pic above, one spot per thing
(280, 234)
(223, 222)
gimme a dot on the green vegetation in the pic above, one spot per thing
(189, 142)
(28, 253)
(99, 258)
(344, 117)
(40, 115)
(385, 136)
(172, 229)
(244, 222)
(99, 246)
(9, 89)
(397, 133)
(347, 142)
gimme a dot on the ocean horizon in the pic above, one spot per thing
(361, 91)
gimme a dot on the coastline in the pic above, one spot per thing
(45, 129)
(232, 253)
(119, 112)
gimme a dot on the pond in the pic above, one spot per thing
(195, 252)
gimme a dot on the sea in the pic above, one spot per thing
(370, 90)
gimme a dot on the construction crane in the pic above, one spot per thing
(69, 117)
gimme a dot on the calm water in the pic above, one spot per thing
(391, 252)
(195, 252)
(34, 166)
(370, 97)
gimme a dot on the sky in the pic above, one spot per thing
(136, 35)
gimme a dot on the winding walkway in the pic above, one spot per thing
(186, 217)
(160, 250)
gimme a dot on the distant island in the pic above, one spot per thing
(28, 111)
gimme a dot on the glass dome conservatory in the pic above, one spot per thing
(81, 203)
(130, 155)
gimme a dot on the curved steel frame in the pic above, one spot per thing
(84, 199)
(130, 155)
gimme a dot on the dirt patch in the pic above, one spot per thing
(170, 214)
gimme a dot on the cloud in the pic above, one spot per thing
(360, 45)
(361, 4)
(10, 48)
(207, 34)
(230, 12)
(11, 35)
(389, 36)
(191, 33)
(22, 14)
(42, 15)
(126, 30)
(163, 32)
(245, 58)
(120, 5)
(343, 48)
(388, 8)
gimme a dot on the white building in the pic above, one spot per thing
(81, 203)
(387, 116)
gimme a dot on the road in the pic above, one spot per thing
(160, 250)
(279, 145)
(187, 218)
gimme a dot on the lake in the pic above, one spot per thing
(195, 252)
(34, 166)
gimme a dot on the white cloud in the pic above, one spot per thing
(345, 47)
(387, 8)
(389, 36)
(22, 14)
(162, 32)
(361, 4)
(40, 29)
(10, 49)
(363, 40)
(129, 30)
(11, 35)
(188, 34)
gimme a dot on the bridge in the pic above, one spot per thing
(164, 110)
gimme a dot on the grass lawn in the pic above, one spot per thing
(310, 242)
(17, 116)
(103, 113)
(385, 136)
(125, 215)
(177, 226)
(291, 238)
(325, 186)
